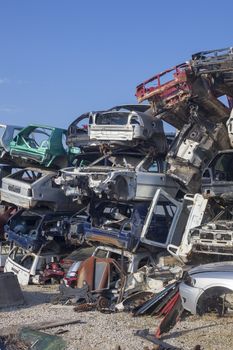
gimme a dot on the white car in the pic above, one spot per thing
(28, 267)
(129, 123)
(208, 288)
(32, 187)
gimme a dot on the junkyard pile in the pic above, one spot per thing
(125, 216)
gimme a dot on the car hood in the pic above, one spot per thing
(213, 267)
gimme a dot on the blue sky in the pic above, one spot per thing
(60, 58)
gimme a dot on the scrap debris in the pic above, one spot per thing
(124, 213)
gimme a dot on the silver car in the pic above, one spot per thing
(120, 176)
(208, 288)
(128, 123)
(30, 187)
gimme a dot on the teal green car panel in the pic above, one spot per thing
(48, 153)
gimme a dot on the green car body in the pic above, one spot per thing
(40, 144)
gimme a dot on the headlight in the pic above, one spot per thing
(190, 281)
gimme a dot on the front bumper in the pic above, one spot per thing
(189, 297)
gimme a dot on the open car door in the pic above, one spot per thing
(161, 220)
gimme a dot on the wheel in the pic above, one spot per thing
(103, 303)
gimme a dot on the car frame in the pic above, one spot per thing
(31, 187)
(40, 144)
(37, 228)
(119, 176)
(217, 178)
(154, 225)
(28, 267)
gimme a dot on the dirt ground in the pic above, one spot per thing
(101, 331)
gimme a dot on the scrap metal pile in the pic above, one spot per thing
(133, 205)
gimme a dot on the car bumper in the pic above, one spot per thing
(17, 199)
(189, 297)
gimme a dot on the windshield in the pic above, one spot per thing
(112, 119)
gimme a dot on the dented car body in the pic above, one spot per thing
(125, 176)
(128, 225)
(126, 125)
(217, 178)
(32, 229)
(202, 80)
(28, 267)
(129, 124)
(192, 150)
(32, 187)
(189, 100)
(40, 144)
(215, 236)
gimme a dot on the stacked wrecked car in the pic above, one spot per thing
(116, 210)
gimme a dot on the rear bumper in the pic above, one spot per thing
(19, 200)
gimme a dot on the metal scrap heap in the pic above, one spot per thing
(116, 209)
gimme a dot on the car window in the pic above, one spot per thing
(153, 168)
(161, 221)
(111, 119)
(223, 167)
(2, 130)
(101, 253)
(16, 131)
(41, 265)
(16, 255)
(39, 137)
(27, 261)
(27, 175)
(64, 144)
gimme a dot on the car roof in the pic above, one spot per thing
(39, 170)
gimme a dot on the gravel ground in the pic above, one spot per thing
(107, 331)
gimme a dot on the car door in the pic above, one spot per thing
(196, 205)
(161, 220)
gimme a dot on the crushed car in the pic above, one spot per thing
(39, 144)
(32, 229)
(128, 225)
(130, 124)
(131, 261)
(215, 236)
(28, 267)
(31, 187)
(190, 102)
(192, 150)
(202, 80)
(118, 176)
